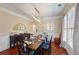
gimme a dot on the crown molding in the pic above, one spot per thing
(14, 13)
(52, 18)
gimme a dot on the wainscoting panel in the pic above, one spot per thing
(4, 42)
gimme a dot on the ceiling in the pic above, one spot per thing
(38, 10)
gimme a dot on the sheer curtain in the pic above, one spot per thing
(68, 29)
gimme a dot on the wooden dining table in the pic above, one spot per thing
(35, 45)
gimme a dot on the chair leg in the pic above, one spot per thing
(49, 52)
(19, 51)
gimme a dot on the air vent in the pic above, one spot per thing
(59, 5)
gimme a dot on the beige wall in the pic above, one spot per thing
(56, 26)
(7, 21)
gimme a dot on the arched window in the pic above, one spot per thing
(19, 28)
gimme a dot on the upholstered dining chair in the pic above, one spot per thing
(46, 46)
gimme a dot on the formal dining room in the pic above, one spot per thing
(39, 28)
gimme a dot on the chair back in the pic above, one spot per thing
(49, 38)
(22, 47)
(57, 41)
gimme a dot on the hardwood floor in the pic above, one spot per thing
(11, 51)
(54, 51)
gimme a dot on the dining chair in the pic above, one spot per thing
(23, 49)
(46, 46)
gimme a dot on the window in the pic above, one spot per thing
(68, 27)
(49, 26)
(19, 28)
(65, 29)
